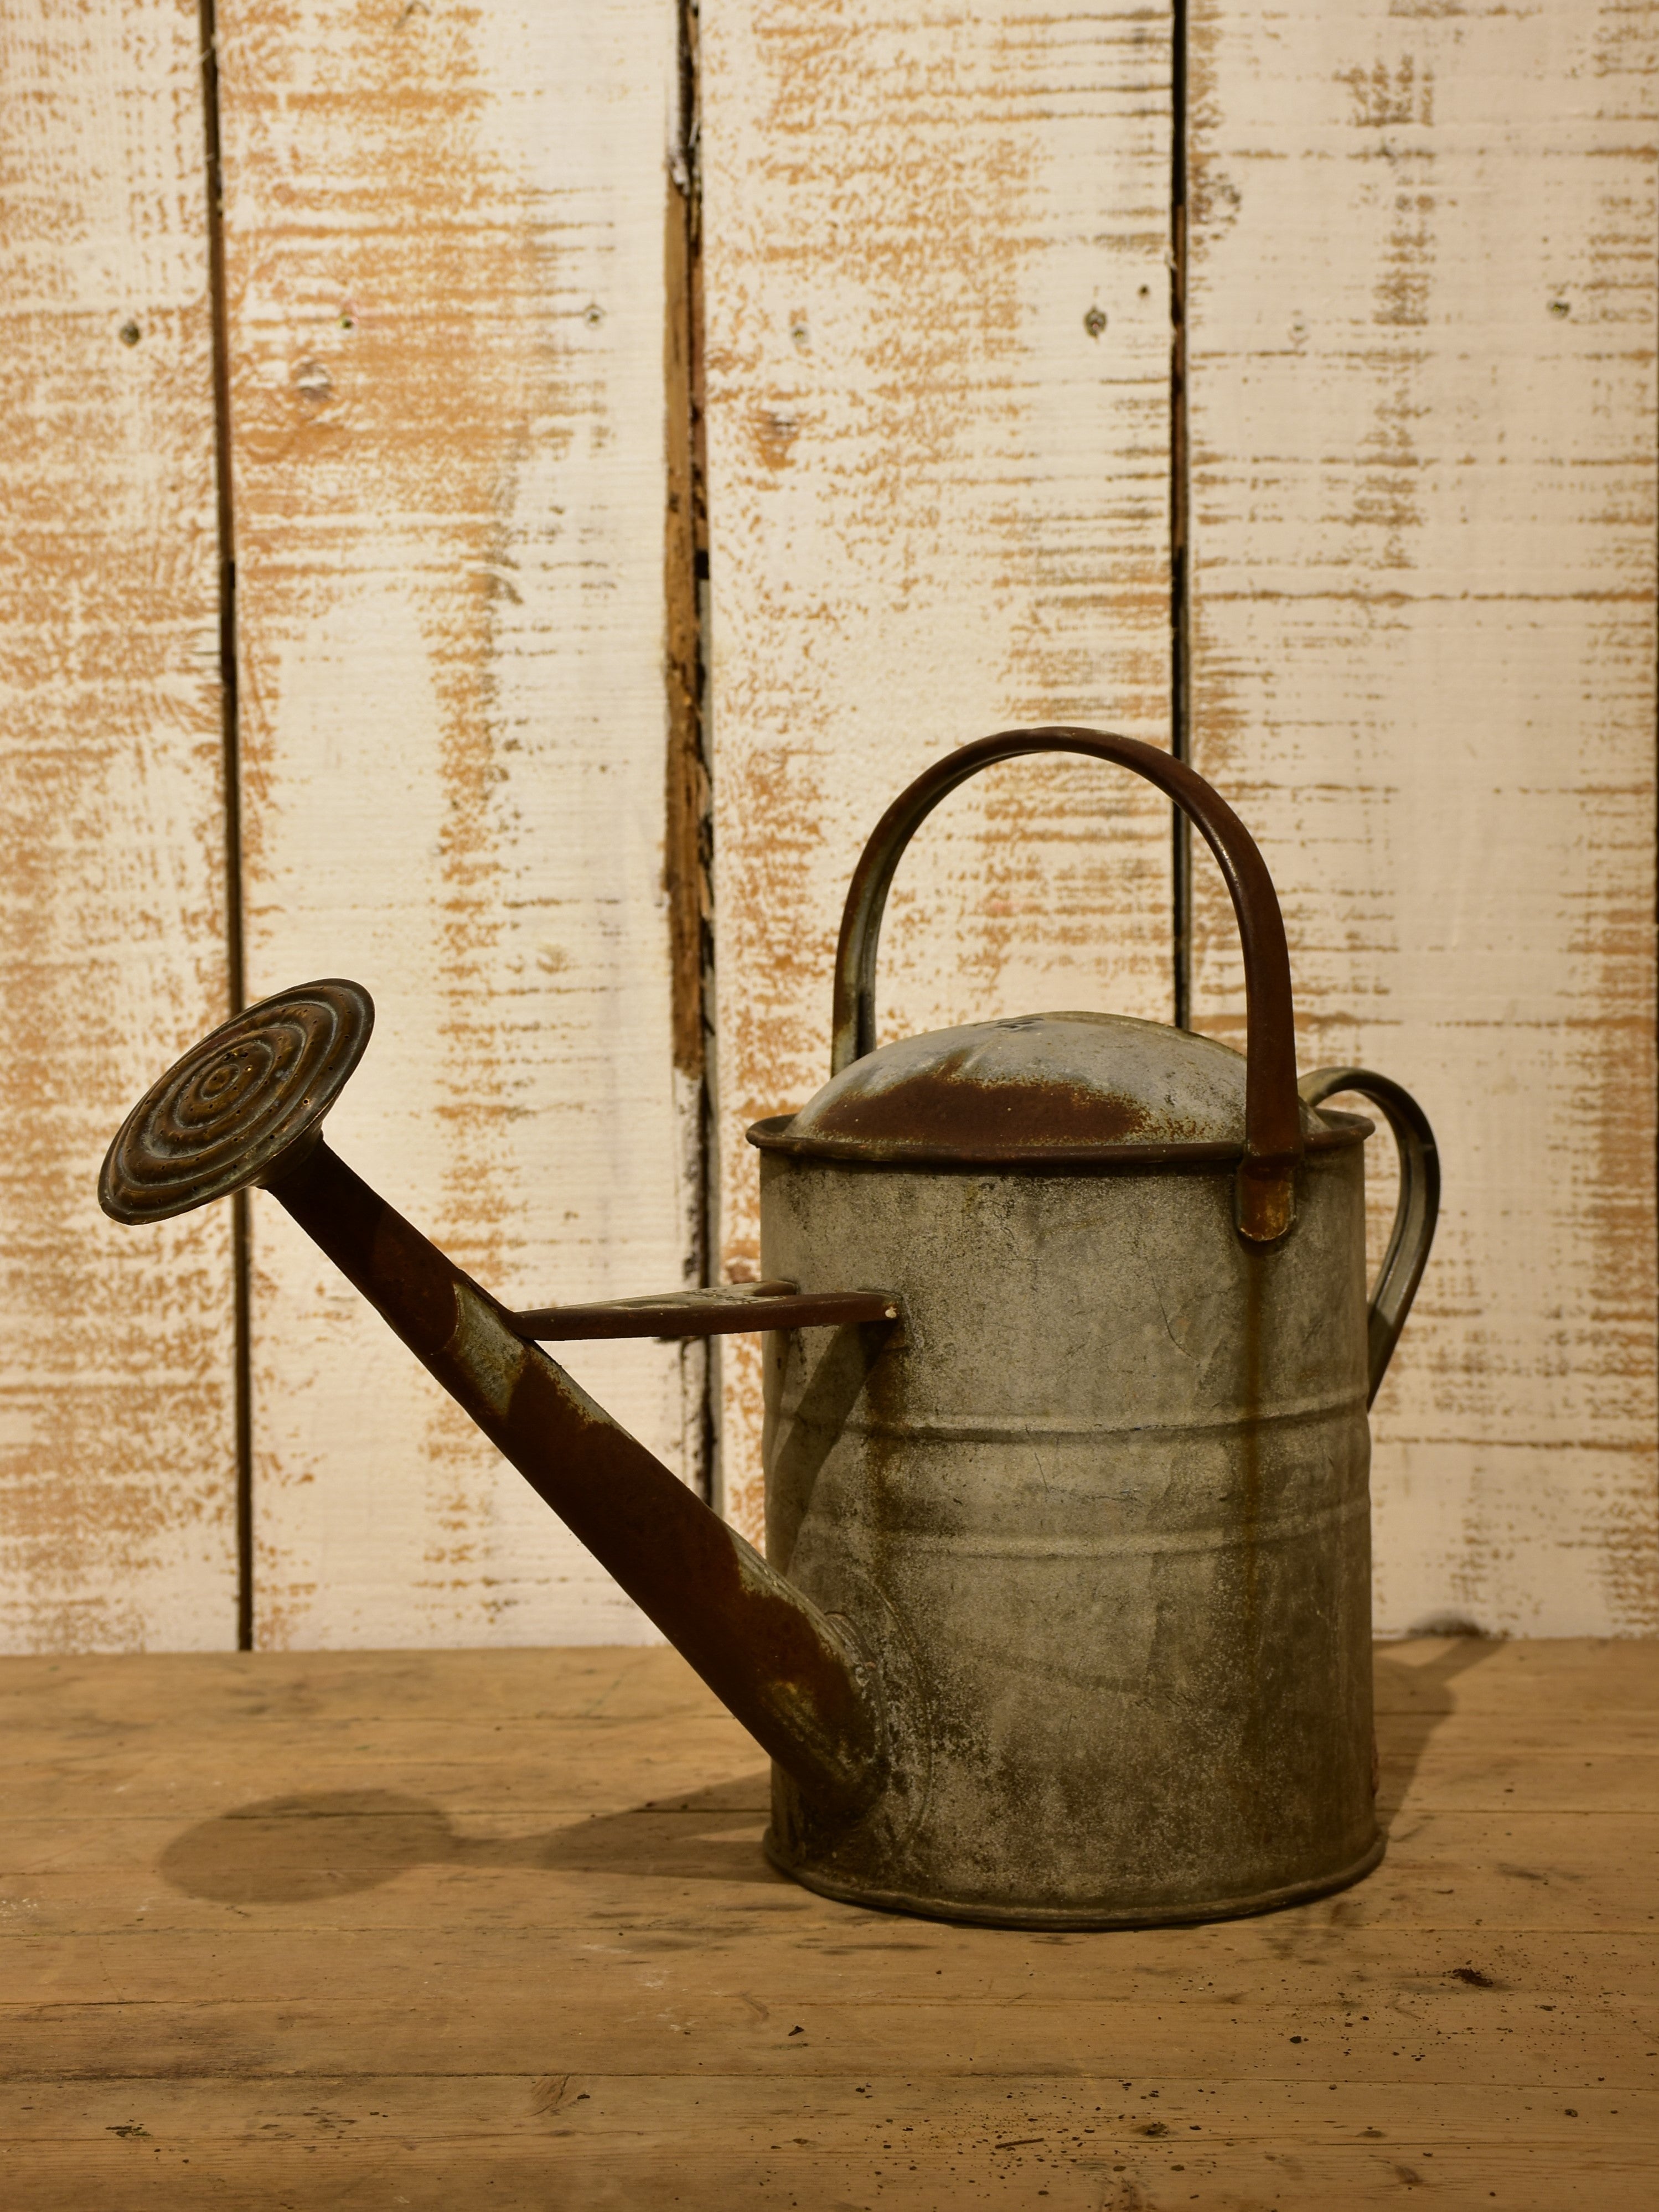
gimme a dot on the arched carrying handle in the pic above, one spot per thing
(1415, 1214)
(1272, 1116)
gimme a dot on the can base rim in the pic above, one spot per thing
(1067, 1916)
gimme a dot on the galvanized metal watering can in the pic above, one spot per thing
(1065, 1619)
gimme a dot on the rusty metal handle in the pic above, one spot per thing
(1415, 1213)
(1272, 1115)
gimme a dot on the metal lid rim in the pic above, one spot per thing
(772, 1135)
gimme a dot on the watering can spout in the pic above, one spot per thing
(244, 1107)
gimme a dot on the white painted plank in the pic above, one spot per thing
(1422, 367)
(446, 269)
(938, 504)
(117, 1413)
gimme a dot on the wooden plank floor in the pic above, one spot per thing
(462, 1928)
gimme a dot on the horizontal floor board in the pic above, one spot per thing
(424, 2020)
(1523, 2176)
(1461, 1674)
(650, 2110)
(577, 1780)
(229, 1689)
(1521, 1870)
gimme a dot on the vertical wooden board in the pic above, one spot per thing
(938, 381)
(1422, 304)
(445, 273)
(117, 1479)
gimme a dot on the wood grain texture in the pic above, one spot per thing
(938, 372)
(1423, 518)
(117, 1444)
(339, 1928)
(446, 272)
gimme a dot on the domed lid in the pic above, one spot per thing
(1057, 1091)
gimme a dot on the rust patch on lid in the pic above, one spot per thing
(949, 1103)
(1069, 1091)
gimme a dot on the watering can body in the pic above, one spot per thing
(1101, 1505)
(1064, 1618)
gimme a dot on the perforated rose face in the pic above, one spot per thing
(226, 1113)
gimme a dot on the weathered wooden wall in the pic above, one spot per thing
(937, 309)
(445, 248)
(117, 1392)
(939, 439)
(1421, 361)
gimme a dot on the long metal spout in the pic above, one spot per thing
(766, 1652)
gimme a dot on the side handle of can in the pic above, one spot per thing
(1415, 1213)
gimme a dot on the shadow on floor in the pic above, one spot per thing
(1413, 1697)
(291, 1851)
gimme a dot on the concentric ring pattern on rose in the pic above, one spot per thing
(237, 1102)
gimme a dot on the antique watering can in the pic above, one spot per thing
(1065, 1618)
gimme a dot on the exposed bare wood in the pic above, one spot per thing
(1421, 356)
(313, 1928)
(117, 1419)
(446, 255)
(937, 388)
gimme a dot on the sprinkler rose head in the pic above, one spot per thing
(241, 1107)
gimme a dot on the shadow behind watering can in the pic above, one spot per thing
(1065, 1619)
